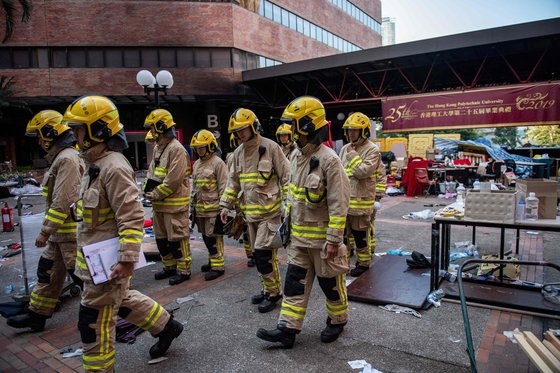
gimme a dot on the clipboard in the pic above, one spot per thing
(101, 257)
(150, 185)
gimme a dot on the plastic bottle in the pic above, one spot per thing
(476, 184)
(531, 207)
(460, 193)
(520, 208)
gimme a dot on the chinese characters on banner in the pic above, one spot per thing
(507, 106)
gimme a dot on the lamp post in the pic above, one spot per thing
(159, 83)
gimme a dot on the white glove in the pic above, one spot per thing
(377, 205)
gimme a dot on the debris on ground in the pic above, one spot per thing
(364, 365)
(420, 215)
(70, 353)
(157, 360)
(509, 334)
(10, 250)
(184, 299)
(435, 297)
(400, 309)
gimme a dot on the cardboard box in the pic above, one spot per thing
(431, 154)
(493, 206)
(545, 190)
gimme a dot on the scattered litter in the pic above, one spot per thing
(451, 277)
(380, 254)
(509, 334)
(126, 332)
(9, 289)
(350, 280)
(426, 274)
(451, 339)
(447, 195)
(150, 263)
(26, 206)
(532, 233)
(399, 309)
(551, 292)
(158, 360)
(457, 255)
(148, 223)
(357, 364)
(556, 332)
(26, 189)
(399, 251)
(184, 299)
(420, 215)
(10, 250)
(435, 205)
(392, 191)
(454, 267)
(435, 297)
(78, 352)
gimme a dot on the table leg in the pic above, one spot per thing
(502, 245)
(474, 235)
(517, 241)
(435, 252)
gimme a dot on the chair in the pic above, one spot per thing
(423, 179)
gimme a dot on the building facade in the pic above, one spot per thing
(388, 29)
(71, 48)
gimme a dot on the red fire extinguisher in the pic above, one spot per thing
(7, 218)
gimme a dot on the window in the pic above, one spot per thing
(59, 58)
(239, 59)
(167, 57)
(285, 18)
(77, 58)
(5, 58)
(221, 58)
(268, 10)
(131, 58)
(150, 57)
(306, 28)
(114, 58)
(276, 13)
(95, 58)
(202, 57)
(292, 21)
(299, 25)
(21, 58)
(185, 57)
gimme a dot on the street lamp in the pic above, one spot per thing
(160, 83)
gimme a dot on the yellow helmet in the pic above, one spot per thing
(242, 118)
(98, 114)
(233, 141)
(149, 137)
(357, 121)
(161, 119)
(284, 129)
(48, 125)
(306, 114)
(204, 138)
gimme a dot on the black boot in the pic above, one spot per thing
(269, 303)
(28, 320)
(205, 267)
(257, 299)
(358, 271)
(171, 331)
(165, 273)
(213, 274)
(178, 278)
(285, 336)
(251, 262)
(331, 332)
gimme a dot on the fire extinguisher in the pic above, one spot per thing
(7, 218)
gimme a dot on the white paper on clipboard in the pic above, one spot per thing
(102, 256)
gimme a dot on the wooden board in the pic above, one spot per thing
(552, 339)
(543, 352)
(537, 361)
(551, 348)
(390, 282)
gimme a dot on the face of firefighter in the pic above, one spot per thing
(244, 134)
(41, 143)
(79, 134)
(201, 151)
(301, 141)
(284, 139)
(353, 134)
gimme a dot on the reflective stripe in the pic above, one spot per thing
(229, 194)
(45, 191)
(164, 189)
(205, 182)
(337, 222)
(40, 301)
(308, 231)
(104, 329)
(255, 177)
(342, 288)
(160, 171)
(200, 206)
(180, 201)
(352, 164)
(70, 227)
(336, 310)
(293, 311)
(261, 209)
(152, 317)
(299, 193)
(131, 236)
(361, 203)
(80, 261)
(100, 362)
(218, 262)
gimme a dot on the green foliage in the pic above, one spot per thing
(9, 8)
(544, 135)
(6, 94)
(505, 136)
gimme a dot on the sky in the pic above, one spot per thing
(424, 19)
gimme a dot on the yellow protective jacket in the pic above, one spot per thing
(109, 205)
(258, 178)
(61, 184)
(209, 182)
(318, 197)
(170, 166)
(361, 165)
(380, 181)
(288, 149)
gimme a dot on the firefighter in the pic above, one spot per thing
(380, 186)
(58, 232)
(209, 182)
(233, 144)
(316, 213)
(109, 206)
(260, 173)
(285, 139)
(361, 160)
(169, 170)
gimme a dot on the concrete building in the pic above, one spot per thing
(388, 25)
(72, 48)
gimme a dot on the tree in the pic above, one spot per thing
(6, 94)
(505, 136)
(544, 135)
(9, 8)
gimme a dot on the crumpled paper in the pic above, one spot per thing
(399, 309)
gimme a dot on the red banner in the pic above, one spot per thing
(507, 106)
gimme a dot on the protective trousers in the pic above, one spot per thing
(247, 243)
(303, 265)
(358, 229)
(172, 239)
(101, 304)
(261, 234)
(58, 260)
(214, 243)
(372, 234)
